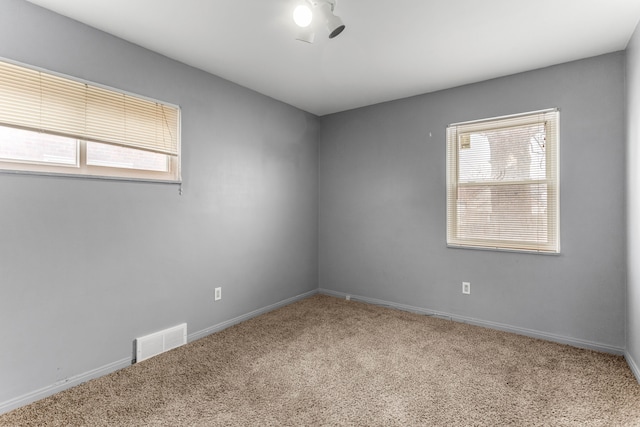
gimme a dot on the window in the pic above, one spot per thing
(54, 125)
(502, 183)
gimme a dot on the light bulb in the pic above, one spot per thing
(302, 15)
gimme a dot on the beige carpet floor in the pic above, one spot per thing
(324, 361)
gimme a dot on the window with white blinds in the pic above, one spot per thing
(503, 183)
(54, 124)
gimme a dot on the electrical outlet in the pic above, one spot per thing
(466, 287)
(218, 294)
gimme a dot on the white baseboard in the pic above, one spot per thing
(224, 325)
(633, 365)
(59, 386)
(487, 324)
(33, 396)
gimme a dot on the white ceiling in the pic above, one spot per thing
(389, 49)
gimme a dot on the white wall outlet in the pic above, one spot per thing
(466, 287)
(218, 294)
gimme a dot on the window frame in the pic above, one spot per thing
(82, 169)
(551, 120)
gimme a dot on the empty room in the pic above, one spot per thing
(319, 212)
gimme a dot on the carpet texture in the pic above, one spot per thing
(324, 361)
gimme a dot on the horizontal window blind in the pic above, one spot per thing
(43, 102)
(502, 183)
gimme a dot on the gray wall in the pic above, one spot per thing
(383, 212)
(633, 202)
(86, 265)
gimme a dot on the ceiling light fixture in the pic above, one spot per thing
(302, 15)
(312, 13)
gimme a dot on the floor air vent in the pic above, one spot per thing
(159, 342)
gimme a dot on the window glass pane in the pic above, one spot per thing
(503, 212)
(18, 145)
(509, 154)
(126, 158)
